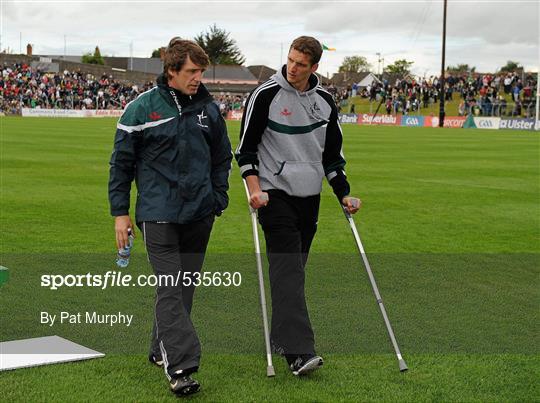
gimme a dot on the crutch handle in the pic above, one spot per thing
(345, 211)
(355, 202)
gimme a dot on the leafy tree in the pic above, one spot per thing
(97, 54)
(156, 53)
(221, 49)
(511, 66)
(96, 58)
(400, 67)
(461, 68)
(354, 64)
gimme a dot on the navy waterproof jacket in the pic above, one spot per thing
(180, 159)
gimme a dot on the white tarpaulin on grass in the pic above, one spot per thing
(42, 351)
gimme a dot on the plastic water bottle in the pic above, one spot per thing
(122, 258)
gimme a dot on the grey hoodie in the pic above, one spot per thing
(291, 139)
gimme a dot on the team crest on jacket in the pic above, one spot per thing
(286, 112)
(154, 116)
(315, 107)
(202, 120)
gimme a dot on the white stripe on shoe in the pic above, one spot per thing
(310, 365)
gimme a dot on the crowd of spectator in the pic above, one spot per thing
(487, 95)
(479, 94)
(505, 94)
(228, 102)
(24, 87)
(340, 95)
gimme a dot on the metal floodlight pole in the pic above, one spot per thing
(270, 367)
(441, 109)
(402, 365)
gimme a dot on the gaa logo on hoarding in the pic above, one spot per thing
(485, 123)
(412, 121)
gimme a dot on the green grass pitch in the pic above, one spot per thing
(450, 222)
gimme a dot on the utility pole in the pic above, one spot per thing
(442, 81)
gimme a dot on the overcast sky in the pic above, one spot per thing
(484, 34)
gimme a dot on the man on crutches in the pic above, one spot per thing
(290, 139)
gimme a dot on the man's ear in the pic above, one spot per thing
(314, 67)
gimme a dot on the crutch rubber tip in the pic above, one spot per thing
(402, 366)
(270, 371)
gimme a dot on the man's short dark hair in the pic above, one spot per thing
(310, 46)
(177, 52)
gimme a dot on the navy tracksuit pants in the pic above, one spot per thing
(289, 224)
(172, 248)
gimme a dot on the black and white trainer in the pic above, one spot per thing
(183, 384)
(304, 364)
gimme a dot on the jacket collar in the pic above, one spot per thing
(188, 103)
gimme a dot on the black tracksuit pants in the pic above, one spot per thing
(172, 248)
(289, 224)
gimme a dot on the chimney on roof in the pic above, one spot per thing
(29, 50)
